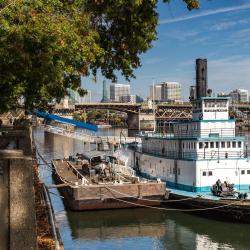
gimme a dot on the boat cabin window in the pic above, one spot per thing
(210, 173)
(212, 144)
(239, 144)
(234, 144)
(223, 144)
(217, 144)
(248, 171)
(200, 145)
(215, 103)
(229, 144)
(204, 173)
(206, 144)
(242, 171)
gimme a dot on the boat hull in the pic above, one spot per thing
(224, 209)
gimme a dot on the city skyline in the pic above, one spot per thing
(218, 31)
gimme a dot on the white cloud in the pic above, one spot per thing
(181, 35)
(206, 13)
(228, 24)
(229, 73)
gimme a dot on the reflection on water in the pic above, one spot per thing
(133, 228)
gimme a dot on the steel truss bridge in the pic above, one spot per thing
(167, 112)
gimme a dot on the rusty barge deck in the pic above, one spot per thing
(83, 193)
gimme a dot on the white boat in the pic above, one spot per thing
(195, 154)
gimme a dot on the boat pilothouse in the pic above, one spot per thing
(195, 154)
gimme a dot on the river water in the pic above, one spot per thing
(132, 228)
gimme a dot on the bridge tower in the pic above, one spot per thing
(104, 92)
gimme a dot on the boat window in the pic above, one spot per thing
(206, 144)
(239, 144)
(229, 144)
(211, 144)
(210, 173)
(223, 144)
(217, 144)
(242, 171)
(204, 173)
(200, 144)
(248, 171)
(234, 144)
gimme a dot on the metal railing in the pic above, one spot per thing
(203, 133)
(199, 155)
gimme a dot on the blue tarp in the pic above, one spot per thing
(72, 122)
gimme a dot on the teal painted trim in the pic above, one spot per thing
(229, 120)
(189, 122)
(242, 187)
(194, 158)
(236, 138)
(214, 98)
(195, 138)
(195, 189)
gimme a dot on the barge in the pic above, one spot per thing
(95, 180)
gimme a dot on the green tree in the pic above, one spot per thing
(45, 46)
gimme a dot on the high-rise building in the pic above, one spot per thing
(170, 91)
(155, 92)
(104, 92)
(239, 95)
(118, 90)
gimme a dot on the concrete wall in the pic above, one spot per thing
(22, 205)
(17, 200)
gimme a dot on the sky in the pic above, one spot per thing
(218, 31)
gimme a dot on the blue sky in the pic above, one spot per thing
(218, 31)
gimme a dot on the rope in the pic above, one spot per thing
(172, 209)
(42, 158)
(143, 199)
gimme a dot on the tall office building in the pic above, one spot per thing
(239, 95)
(118, 90)
(104, 92)
(155, 92)
(170, 91)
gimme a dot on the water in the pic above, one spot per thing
(133, 228)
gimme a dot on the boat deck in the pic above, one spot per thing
(204, 195)
(65, 172)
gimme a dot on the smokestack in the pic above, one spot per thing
(201, 77)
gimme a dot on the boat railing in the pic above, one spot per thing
(200, 155)
(78, 174)
(194, 133)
